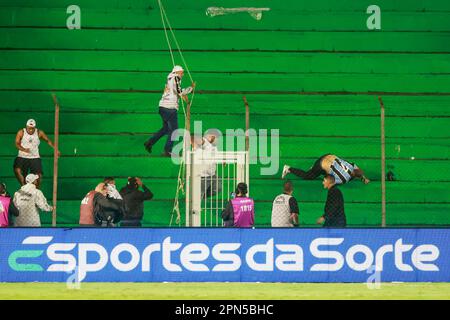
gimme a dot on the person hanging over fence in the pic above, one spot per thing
(7, 208)
(285, 208)
(334, 213)
(342, 170)
(134, 201)
(28, 160)
(28, 200)
(206, 148)
(240, 211)
(168, 109)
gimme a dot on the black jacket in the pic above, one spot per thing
(334, 209)
(107, 209)
(134, 201)
(228, 215)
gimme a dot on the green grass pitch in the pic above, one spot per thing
(221, 291)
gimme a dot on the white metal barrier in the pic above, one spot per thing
(211, 178)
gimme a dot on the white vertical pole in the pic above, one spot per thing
(188, 188)
(205, 207)
(228, 182)
(211, 203)
(223, 184)
(217, 194)
(247, 143)
(196, 198)
(247, 170)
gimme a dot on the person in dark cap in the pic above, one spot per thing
(240, 211)
(134, 202)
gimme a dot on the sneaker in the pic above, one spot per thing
(285, 171)
(166, 154)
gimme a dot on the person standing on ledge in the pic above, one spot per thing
(329, 164)
(168, 109)
(334, 215)
(28, 160)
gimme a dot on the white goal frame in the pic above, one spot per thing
(232, 167)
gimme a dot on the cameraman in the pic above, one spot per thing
(107, 211)
(134, 200)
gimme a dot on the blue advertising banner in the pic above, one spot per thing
(218, 255)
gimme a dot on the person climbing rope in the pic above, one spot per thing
(329, 164)
(168, 109)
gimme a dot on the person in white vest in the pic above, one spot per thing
(168, 109)
(285, 208)
(28, 200)
(28, 160)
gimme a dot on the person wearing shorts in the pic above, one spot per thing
(28, 160)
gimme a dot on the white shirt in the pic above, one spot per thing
(172, 92)
(281, 211)
(203, 157)
(32, 142)
(28, 201)
(113, 193)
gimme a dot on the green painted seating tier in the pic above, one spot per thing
(310, 69)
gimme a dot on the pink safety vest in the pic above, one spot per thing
(4, 216)
(244, 212)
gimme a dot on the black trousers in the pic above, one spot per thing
(169, 119)
(314, 172)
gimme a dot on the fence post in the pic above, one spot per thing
(383, 167)
(247, 124)
(247, 143)
(55, 160)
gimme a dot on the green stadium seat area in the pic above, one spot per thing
(311, 79)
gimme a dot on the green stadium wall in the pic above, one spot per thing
(311, 69)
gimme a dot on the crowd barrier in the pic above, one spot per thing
(222, 255)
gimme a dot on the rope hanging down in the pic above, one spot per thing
(181, 172)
